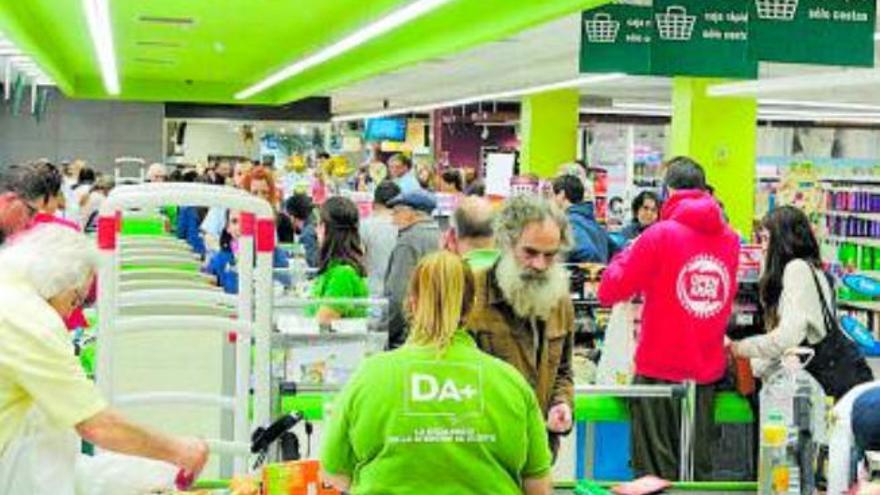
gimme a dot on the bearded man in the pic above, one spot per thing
(522, 310)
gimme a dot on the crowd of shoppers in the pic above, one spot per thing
(487, 321)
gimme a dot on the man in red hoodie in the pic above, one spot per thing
(684, 267)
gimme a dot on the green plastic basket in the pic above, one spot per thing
(732, 408)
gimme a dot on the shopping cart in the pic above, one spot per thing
(601, 28)
(777, 10)
(676, 24)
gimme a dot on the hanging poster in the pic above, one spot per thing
(617, 38)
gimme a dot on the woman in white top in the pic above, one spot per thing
(794, 309)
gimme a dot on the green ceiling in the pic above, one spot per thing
(232, 44)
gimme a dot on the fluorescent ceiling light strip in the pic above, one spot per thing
(392, 21)
(769, 104)
(98, 18)
(502, 95)
(819, 104)
(654, 110)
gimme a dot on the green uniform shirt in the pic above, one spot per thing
(410, 421)
(341, 281)
(481, 259)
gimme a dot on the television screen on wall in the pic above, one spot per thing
(385, 129)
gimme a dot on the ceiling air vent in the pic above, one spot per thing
(158, 44)
(174, 21)
(154, 61)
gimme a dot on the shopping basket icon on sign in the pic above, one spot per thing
(777, 10)
(675, 24)
(601, 28)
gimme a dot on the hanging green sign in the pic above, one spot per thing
(617, 38)
(834, 32)
(707, 38)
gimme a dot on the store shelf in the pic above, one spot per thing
(852, 214)
(865, 305)
(859, 241)
(873, 180)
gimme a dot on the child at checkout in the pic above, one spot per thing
(222, 265)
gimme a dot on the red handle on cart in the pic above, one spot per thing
(183, 480)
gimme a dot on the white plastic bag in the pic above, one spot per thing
(115, 474)
(616, 365)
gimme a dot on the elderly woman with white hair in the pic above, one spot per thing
(157, 172)
(45, 398)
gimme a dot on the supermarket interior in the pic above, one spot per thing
(439, 247)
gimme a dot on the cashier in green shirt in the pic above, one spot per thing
(472, 234)
(341, 271)
(437, 416)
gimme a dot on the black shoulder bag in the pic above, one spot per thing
(838, 365)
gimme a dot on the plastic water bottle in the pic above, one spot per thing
(774, 474)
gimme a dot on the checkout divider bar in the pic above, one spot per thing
(685, 392)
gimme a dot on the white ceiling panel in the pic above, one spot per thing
(542, 55)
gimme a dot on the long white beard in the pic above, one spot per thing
(531, 294)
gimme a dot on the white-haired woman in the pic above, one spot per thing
(45, 398)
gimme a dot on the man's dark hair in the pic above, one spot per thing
(385, 192)
(571, 186)
(34, 181)
(86, 176)
(453, 176)
(684, 173)
(299, 206)
(402, 159)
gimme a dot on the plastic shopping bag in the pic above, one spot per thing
(116, 474)
(616, 365)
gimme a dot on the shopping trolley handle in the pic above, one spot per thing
(679, 391)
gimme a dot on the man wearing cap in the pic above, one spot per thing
(418, 235)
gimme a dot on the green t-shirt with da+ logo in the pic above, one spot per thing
(410, 421)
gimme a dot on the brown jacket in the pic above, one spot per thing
(498, 331)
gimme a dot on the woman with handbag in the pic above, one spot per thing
(798, 301)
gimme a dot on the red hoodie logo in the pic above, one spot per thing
(703, 286)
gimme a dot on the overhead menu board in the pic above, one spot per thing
(702, 38)
(834, 32)
(725, 38)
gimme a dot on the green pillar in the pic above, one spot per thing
(549, 123)
(720, 134)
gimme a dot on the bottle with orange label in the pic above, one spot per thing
(774, 474)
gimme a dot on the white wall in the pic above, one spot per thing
(203, 139)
